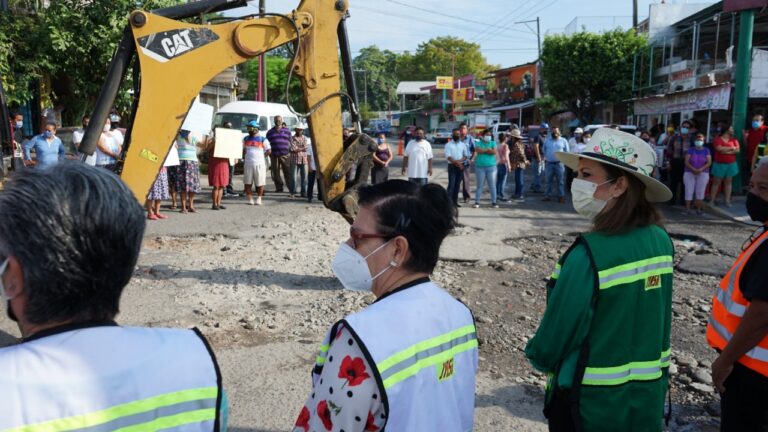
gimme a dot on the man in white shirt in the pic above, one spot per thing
(417, 159)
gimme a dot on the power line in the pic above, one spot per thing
(422, 20)
(463, 19)
(531, 12)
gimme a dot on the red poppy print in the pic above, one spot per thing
(369, 425)
(325, 415)
(303, 420)
(353, 370)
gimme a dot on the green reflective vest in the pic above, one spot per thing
(621, 376)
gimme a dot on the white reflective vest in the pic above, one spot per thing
(423, 345)
(108, 378)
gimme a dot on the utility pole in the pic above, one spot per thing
(741, 93)
(634, 14)
(261, 94)
(538, 31)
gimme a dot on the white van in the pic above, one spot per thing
(241, 112)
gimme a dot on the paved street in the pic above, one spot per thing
(257, 281)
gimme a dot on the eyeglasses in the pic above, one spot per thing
(355, 236)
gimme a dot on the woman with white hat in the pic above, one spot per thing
(604, 337)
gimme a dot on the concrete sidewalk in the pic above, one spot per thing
(737, 212)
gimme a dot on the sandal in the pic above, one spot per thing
(161, 216)
(183, 211)
(192, 210)
(153, 217)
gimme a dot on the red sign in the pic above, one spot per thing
(739, 5)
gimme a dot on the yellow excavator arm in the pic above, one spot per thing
(176, 59)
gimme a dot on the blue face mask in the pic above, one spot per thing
(756, 124)
(47, 134)
(684, 131)
(19, 124)
(698, 143)
(380, 140)
(184, 134)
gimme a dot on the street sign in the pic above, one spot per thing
(444, 82)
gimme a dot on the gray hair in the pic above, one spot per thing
(762, 162)
(76, 231)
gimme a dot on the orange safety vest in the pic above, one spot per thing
(729, 305)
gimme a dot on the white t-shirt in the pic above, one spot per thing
(418, 153)
(311, 155)
(255, 150)
(77, 138)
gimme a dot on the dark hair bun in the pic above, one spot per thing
(424, 215)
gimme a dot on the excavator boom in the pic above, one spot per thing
(176, 59)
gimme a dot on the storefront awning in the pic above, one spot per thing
(521, 105)
(704, 99)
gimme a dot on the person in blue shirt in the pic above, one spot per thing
(49, 149)
(555, 170)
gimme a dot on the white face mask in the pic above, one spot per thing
(352, 270)
(3, 295)
(584, 201)
(107, 128)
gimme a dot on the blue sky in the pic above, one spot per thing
(398, 25)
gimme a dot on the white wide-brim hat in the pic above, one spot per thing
(626, 152)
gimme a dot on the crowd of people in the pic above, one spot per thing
(407, 361)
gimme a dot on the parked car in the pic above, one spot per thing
(439, 136)
(502, 128)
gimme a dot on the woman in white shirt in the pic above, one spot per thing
(108, 148)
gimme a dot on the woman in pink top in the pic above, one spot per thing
(503, 167)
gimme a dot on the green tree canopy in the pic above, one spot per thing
(65, 47)
(381, 75)
(586, 68)
(436, 57)
(277, 64)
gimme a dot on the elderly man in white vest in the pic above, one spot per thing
(64, 261)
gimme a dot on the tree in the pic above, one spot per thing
(64, 50)
(437, 56)
(277, 74)
(381, 73)
(584, 69)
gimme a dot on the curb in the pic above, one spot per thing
(715, 211)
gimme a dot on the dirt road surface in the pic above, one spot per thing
(257, 282)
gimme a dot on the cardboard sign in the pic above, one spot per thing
(199, 118)
(173, 157)
(229, 144)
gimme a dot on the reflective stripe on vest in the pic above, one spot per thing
(556, 273)
(320, 360)
(159, 412)
(635, 371)
(635, 271)
(413, 359)
(728, 307)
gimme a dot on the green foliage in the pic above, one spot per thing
(586, 68)
(548, 106)
(366, 114)
(69, 44)
(381, 74)
(277, 74)
(436, 57)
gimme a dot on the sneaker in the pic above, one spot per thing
(250, 201)
(699, 212)
(494, 205)
(477, 205)
(258, 201)
(728, 205)
(520, 198)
